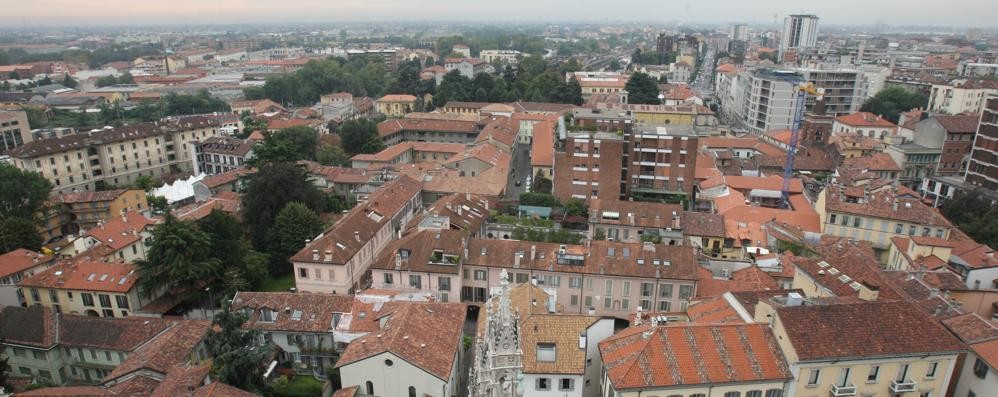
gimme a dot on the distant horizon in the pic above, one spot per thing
(957, 14)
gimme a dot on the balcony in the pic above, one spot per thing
(902, 386)
(841, 391)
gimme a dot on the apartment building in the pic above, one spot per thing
(881, 348)
(468, 67)
(395, 105)
(844, 89)
(337, 260)
(300, 325)
(115, 156)
(957, 143)
(916, 253)
(510, 57)
(216, 155)
(695, 115)
(602, 119)
(69, 213)
(764, 100)
(694, 360)
(978, 373)
(800, 32)
(636, 222)
(86, 286)
(578, 164)
(396, 131)
(15, 266)
(662, 162)
(14, 130)
(122, 237)
(877, 216)
(427, 261)
(961, 95)
(982, 169)
(74, 349)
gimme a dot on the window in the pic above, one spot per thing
(24, 370)
(665, 291)
(412, 391)
(732, 394)
(38, 355)
(774, 393)
(647, 289)
(845, 220)
(608, 288)
(574, 300)
(444, 283)
(664, 306)
(575, 282)
(105, 300)
(931, 373)
(685, 291)
(902, 373)
(480, 275)
(415, 281)
(107, 355)
(266, 315)
(843, 377)
(898, 229)
(546, 352)
(980, 368)
(856, 221)
(812, 378)
(753, 393)
(566, 384)
(302, 272)
(122, 301)
(832, 218)
(874, 373)
(543, 384)
(389, 278)
(370, 388)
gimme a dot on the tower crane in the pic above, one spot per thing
(802, 91)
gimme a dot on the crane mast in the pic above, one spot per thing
(803, 90)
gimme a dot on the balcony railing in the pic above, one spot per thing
(902, 386)
(841, 391)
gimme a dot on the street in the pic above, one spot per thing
(703, 83)
(519, 169)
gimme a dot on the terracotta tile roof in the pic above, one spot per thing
(68, 391)
(500, 129)
(227, 177)
(116, 134)
(863, 329)
(562, 331)
(134, 386)
(352, 391)
(465, 105)
(701, 224)
(709, 287)
(844, 141)
(740, 143)
(854, 260)
(864, 119)
(635, 213)
(120, 231)
(674, 262)
(415, 251)
(31, 326)
(542, 148)
(397, 98)
(771, 182)
(541, 107)
(226, 145)
(485, 152)
(713, 310)
(21, 259)
(200, 210)
(748, 299)
(804, 218)
(181, 380)
(437, 179)
(87, 197)
(686, 355)
(315, 312)
(120, 334)
(879, 161)
(932, 241)
(358, 226)
(922, 292)
(85, 274)
(959, 123)
(427, 335)
(394, 126)
(165, 351)
(257, 106)
(280, 124)
(219, 389)
(466, 211)
(881, 205)
(987, 351)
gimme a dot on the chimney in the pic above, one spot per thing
(533, 252)
(794, 299)
(516, 261)
(398, 261)
(637, 317)
(591, 311)
(356, 235)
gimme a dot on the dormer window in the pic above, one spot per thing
(267, 315)
(404, 254)
(546, 352)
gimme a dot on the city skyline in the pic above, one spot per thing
(220, 12)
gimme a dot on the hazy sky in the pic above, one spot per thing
(957, 13)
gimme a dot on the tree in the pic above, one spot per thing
(254, 93)
(17, 232)
(453, 87)
(332, 155)
(179, 259)
(538, 199)
(146, 183)
(576, 207)
(287, 145)
(238, 360)
(642, 89)
(614, 65)
(891, 101)
(4, 367)
(272, 187)
(157, 203)
(22, 193)
(292, 226)
(974, 214)
(357, 134)
(244, 267)
(68, 81)
(541, 184)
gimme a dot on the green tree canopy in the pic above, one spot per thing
(890, 102)
(179, 259)
(238, 358)
(292, 226)
(975, 214)
(272, 187)
(17, 232)
(642, 89)
(358, 134)
(332, 155)
(22, 193)
(577, 207)
(539, 199)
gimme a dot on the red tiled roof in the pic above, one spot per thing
(316, 311)
(87, 197)
(714, 310)
(165, 351)
(120, 231)
(864, 119)
(959, 123)
(879, 161)
(500, 129)
(542, 148)
(280, 124)
(393, 126)
(863, 329)
(425, 334)
(21, 259)
(85, 274)
(397, 98)
(685, 355)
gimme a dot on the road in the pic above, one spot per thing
(703, 83)
(519, 170)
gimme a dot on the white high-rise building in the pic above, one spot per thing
(799, 31)
(739, 31)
